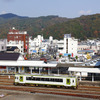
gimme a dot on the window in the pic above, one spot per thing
(60, 48)
(21, 78)
(73, 81)
(2, 47)
(44, 79)
(68, 81)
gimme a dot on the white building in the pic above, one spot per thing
(3, 43)
(68, 45)
(35, 44)
(18, 44)
(89, 45)
(60, 45)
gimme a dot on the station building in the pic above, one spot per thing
(15, 63)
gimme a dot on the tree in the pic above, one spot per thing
(76, 58)
(69, 56)
(60, 55)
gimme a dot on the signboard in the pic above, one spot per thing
(43, 50)
(34, 51)
(2, 67)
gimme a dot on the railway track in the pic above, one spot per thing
(67, 92)
(82, 91)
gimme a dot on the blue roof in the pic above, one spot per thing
(66, 54)
(90, 51)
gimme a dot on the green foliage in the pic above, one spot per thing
(60, 55)
(82, 28)
(69, 56)
(76, 57)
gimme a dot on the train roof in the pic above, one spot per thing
(54, 75)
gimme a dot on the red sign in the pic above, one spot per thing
(72, 54)
(2, 67)
(26, 46)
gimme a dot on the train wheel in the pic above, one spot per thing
(58, 86)
(15, 84)
(77, 87)
(74, 88)
(37, 85)
(49, 86)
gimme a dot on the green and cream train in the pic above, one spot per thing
(42, 80)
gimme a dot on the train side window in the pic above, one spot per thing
(32, 78)
(47, 79)
(42, 79)
(28, 78)
(55, 80)
(60, 80)
(73, 81)
(52, 80)
(37, 79)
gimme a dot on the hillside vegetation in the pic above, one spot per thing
(82, 28)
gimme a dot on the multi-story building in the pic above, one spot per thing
(35, 44)
(68, 45)
(19, 39)
(89, 45)
(60, 45)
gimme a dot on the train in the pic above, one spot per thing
(46, 80)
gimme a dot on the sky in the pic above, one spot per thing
(62, 8)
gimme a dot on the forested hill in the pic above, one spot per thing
(82, 28)
(33, 26)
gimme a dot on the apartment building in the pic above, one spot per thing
(68, 45)
(89, 45)
(19, 39)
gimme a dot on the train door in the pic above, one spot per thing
(68, 81)
(21, 78)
